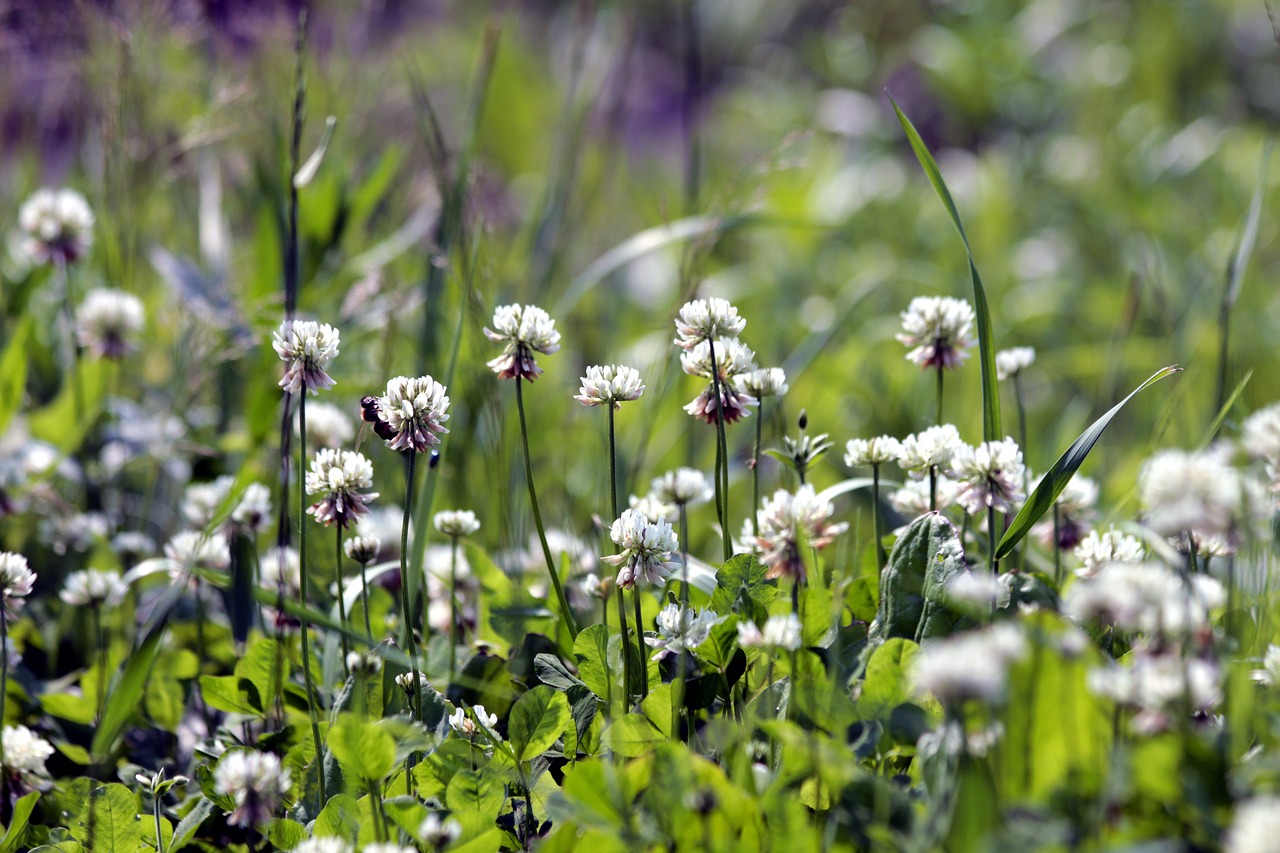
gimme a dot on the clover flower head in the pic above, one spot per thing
(328, 426)
(733, 359)
(108, 322)
(867, 452)
(1255, 826)
(332, 844)
(789, 520)
(57, 226)
(969, 665)
(1156, 684)
(257, 783)
(522, 330)
(940, 330)
(281, 567)
(133, 544)
(652, 507)
(1011, 362)
(338, 476)
(191, 547)
(783, 633)
(976, 591)
(1260, 435)
(412, 413)
(682, 487)
(990, 475)
(16, 580)
(1270, 672)
(646, 549)
(610, 385)
(1109, 546)
(466, 725)
(682, 629)
(89, 587)
(306, 347)
(254, 510)
(1146, 598)
(1197, 492)
(405, 682)
(363, 549)
(456, 522)
(201, 501)
(24, 755)
(438, 833)
(707, 319)
(913, 499)
(763, 382)
(930, 448)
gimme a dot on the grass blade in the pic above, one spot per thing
(126, 697)
(1230, 402)
(1041, 500)
(991, 429)
(309, 168)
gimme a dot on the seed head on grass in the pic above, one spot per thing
(108, 322)
(940, 330)
(306, 347)
(338, 476)
(646, 549)
(610, 385)
(790, 520)
(412, 413)
(57, 226)
(522, 330)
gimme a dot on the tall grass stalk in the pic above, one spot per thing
(622, 610)
(881, 557)
(342, 599)
(455, 634)
(406, 614)
(722, 455)
(537, 515)
(755, 471)
(302, 590)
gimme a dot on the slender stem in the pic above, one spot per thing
(302, 587)
(937, 417)
(625, 647)
(537, 516)
(881, 558)
(454, 633)
(1057, 548)
(933, 488)
(1022, 442)
(644, 668)
(613, 508)
(4, 687)
(159, 833)
(342, 599)
(722, 473)
(364, 600)
(613, 467)
(72, 353)
(95, 613)
(755, 470)
(406, 614)
(991, 541)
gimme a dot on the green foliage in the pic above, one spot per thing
(913, 584)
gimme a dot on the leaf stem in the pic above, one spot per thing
(302, 591)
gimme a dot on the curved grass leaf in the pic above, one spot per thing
(1223, 411)
(1041, 500)
(309, 168)
(991, 430)
(18, 826)
(125, 698)
(13, 371)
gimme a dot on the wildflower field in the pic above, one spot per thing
(702, 425)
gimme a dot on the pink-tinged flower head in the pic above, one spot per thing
(939, 328)
(646, 549)
(338, 476)
(108, 322)
(57, 226)
(790, 520)
(412, 413)
(523, 330)
(990, 475)
(257, 783)
(16, 580)
(732, 359)
(707, 319)
(306, 348)
(682, 629)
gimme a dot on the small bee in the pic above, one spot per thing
(369, 417)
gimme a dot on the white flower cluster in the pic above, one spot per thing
(89, 587)
(1261, 440)
(682, 629)
(24, 754)
(191, 547)
(783, 633)
(990, 475)
(1193, 492)
(733, 359)
(707, 319)
(465, 724)
(1110, 546)
(646, 549)
(522, 330)
(456, 522)
(327, 426)
(412, 413)
(970, 665)
(1157, 685)
(1145, 597)
(939, 329)
(868, 452)
(1011, 362)
(306, 347)
(1255, 827)
(610, 385)
(108, 322)
(682, 487)
(16, 580)
(57, 226)
(339, 476)
(257, 783)
(789, 520)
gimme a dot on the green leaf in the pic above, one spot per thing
(223, 692)
(591, 651)
(66, 706)
(262, 667)
(126, 697)
(191, 822)
(476, 790)
(551, 670)
(66, 421)
(364, 749)
(13, 371)
(537, 721)
(913, 584)
(109, 823)
(886, 685)
(1041, 500)
(286, 834)
(340, 818)
(18, 825)
(742, 588)
(991, 429)
(634, 735)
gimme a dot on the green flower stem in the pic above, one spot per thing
(454, 634)
(644, 669)
(406, 612)
(155, 808)
(342, 599)
(613, 508)
(4, 682)
(933, 488)
(72, 356)
(937, 412)
(755, 470)
(881, 557)
(722, 456)
(537, 516)
(364, 601)
(95, 616)
(991, 542)
(625, 646)
(302, 587)
(1026, 472)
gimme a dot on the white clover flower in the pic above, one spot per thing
(364, 663)
(1145, 597)
(327, 426)
(273, 570)
(331, 844)
(363, 549)
(763, 382)
(76, 532)
(386, 847)
(1197, 492)
(437, 833)
(89, 587)
(1270, 672)
(652, 507)
(405, 681)
(939, 328)
(1011, 362)
(108, 322)
(1255, 827)
(913, 498)
(16, 580)
(57, 226)
(990, 475)
(610, 385)
(523, 330)
(191, 547)
(932, 448)
(646, 549)
(707, 319)
(970, 665)
(1260, 435)
(201, 500)
(866, 452)
(682, 487)
(780, 632)
(681, 629)
(306, 347)
(256, 781)
(339, 475)
(1158, 683)
(732, 360)
(413, 412)
(456, 522)
(465, 724)
(24, 755)
(254, 510)
(789, 520)
(133, 544)
(594, 586)
(976, 591)
(1112, 546)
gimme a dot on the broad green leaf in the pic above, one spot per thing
(364, 749)
(742, 588)
(67, 706)
(1041, 500)
(478, 791)
(126, 696)
(551, 670)
(109, 822)
(991, 429)
(340, 818)
(13, 371)
(65, 422)
(634, 735)
(886, 684)
(286, 834)
(591, 651)
(406, 812)
(223, 693)
(537, 721)
(191, 822)
(263, 667)
(913, 584)
(18, 823)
